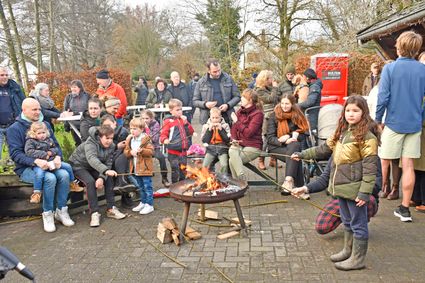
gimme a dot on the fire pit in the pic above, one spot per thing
(203, 187)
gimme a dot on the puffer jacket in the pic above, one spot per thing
(354, 165)
(204, 93)
(313, 99)
(86, 123)
(177, 131)
(16, 96)
(207, 135)
(144, 161)
(92, 155)
(39, 149)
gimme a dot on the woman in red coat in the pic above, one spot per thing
(247, 141)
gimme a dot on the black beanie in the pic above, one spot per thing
(310, 74)
(103, 74)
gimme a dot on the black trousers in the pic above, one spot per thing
(293, 168)
(162, 163)
(176, 161)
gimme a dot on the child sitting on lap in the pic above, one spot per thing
(40, 145)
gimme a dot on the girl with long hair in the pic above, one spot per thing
(354, 146)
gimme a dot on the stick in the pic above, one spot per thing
(159, 250)
(221, 272)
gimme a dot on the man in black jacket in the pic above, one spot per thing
(11, 97)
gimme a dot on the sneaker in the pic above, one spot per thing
(287, 187)
(139, 207)
(115, 213)
(147, 209)
(165, 182)
(35, 197)
(403, 213)
(49, 221)
(74, 187)
(95, 219)
(62, 216)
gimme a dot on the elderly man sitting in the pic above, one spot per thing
(56, 183)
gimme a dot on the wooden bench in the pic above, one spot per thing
(15, 195)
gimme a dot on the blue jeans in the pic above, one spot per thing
(354, 218)
(2, 139)
(144, 183)
(39, 175)
(55, 183)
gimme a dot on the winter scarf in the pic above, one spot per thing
(282, 121)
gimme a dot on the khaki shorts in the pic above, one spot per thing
(395, 145)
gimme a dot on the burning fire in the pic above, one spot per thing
(204, 179)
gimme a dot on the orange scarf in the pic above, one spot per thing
(282, 121)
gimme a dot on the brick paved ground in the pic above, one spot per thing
(281, 246)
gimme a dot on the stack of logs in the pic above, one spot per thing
(169, 232)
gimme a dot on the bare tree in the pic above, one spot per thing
(18, 45)
(38, 35)
(10, 44)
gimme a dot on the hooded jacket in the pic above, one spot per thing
(91, 154)
(16, 136)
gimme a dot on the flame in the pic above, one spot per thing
(204, 177)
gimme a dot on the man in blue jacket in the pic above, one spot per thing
(401, 94)
(11, 97)
(56, 183)
(313, 98)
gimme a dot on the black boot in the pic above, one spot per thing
(346, 251)
(127, 201)
(122, 186)
(356, 260)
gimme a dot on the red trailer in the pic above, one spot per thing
(332, 69)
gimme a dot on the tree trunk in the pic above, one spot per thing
(19, 45)
(38, 36)
(51, 37)
(10, 46)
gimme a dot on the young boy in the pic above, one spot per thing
(216, 133)
(175, 134)
(139, 150)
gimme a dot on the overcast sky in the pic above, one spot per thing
(160, 4)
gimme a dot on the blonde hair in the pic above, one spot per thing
(215, 110)
(36, 126)
(421, 55)
(137, 122)
(263, 76)
(173, 103)
(409, 44)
